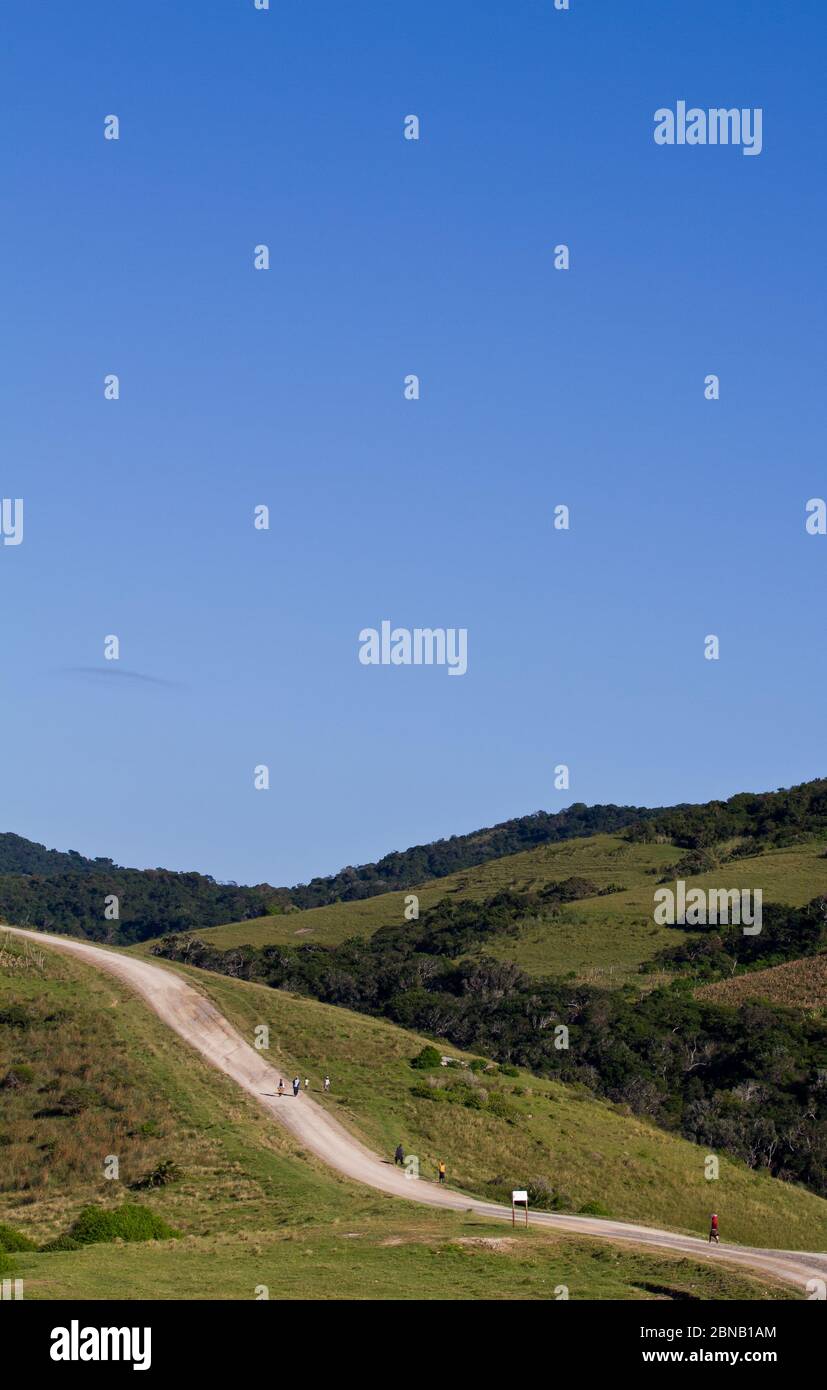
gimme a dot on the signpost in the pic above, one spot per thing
(519, 1199)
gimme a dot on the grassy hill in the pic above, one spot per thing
(87, 1072)
(602, 939)
(65, 892)
(586, 1149)
(96, 1074)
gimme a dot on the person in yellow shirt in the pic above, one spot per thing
(441, 1170)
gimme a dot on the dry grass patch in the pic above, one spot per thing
(797, 984)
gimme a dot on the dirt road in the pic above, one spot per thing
(199, 1023)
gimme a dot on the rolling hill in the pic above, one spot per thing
(97, 1074)
(67, 892)
(489, 957)
(597, 1155)
(602, 939)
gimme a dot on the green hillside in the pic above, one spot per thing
(64, 892)
(588, 1150)
(602, 939)
(89, 1072)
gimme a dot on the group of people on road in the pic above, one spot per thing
(399, 1154)
(399, 1158)
(297, 1084)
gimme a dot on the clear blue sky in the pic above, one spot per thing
(538, 387)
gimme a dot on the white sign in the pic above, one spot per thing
(519, 1197)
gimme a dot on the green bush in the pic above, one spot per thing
(427, 1059)
(128, 1222)
(477, 1065)
(543, 1196)
(61, 1243)
(77, 1099)
(474, 1101)
(6, 1265)
(506, 1069)
(500, 1105)
(426, 1092)
(10, 1239)
(593, 1209)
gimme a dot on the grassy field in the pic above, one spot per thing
(602, 940)
(587, 1149)
(251, 1209)
(799, 984)
(423, 1259)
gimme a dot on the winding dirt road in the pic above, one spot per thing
(199, 1023)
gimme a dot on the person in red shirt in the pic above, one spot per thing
(713, 1230)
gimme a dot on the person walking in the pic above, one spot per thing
(441, 1170)
(713, 1230)
(297, 1085)
(327, 1083)
(281, 1086)
(307, 1083)
(399, 1156)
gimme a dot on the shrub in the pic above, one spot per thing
(128, 1222)
(474, 1100)
(542, 1195)
(10, 1239)
(166, 1171)
(500, 1105)
(14, 1016)
(478, 1064)
(506, 1069)
(6, 1265)
(427, 1059)
(426, 1092)
(17, 1076)
(459, 1084)
(593, 1209)
(77, 1099)
(61, 1243)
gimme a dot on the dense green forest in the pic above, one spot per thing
(751, 1081)
(150, 902)
(20, 856)
(65, 892)
(764, 818)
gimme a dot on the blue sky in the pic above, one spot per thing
(284, 387)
